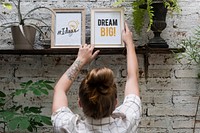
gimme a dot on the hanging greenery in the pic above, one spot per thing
(141, 7)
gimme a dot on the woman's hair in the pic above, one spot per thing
(98, 93)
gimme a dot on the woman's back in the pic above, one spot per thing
(124, 119)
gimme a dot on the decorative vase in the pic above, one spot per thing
(159, 24)
(23, 39)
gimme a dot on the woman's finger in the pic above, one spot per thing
(126, 27)
(92, 46)
(85, 45)
(95, 54)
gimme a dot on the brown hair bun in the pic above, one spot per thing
(101, 80)
(98, 93)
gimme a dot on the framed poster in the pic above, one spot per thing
(68, 28)
(106, 27)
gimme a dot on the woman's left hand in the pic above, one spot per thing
(85, 53)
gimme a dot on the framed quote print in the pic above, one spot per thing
(68, 28)
(106, 27)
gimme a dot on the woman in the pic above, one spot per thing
(98, 96)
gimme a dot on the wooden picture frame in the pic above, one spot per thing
(106, 27)
(68, 28)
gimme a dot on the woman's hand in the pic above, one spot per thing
(127, 35)
(85, 53)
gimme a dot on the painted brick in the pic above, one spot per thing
(6, 70)
(162, 59)
(159, 122)
(152, 130)
(157, 97)
(28, 70)
(183, 131)
(164, 73)
(164, 97)
(176, 84)
(186, 73)
(185, 99)
(156, 110)
(170, 110)
(183, 123)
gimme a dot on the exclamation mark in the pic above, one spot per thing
(114, 31)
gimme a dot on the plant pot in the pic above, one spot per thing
(23, 41)
(159, 24)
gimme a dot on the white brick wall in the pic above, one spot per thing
(169, 96)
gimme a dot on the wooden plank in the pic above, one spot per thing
(103, 51)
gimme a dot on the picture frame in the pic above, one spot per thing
(106, 27)
(68, 28)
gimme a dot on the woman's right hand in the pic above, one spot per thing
(127, 35)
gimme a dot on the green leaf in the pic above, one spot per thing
(17, 92)
(30, 129)
(20, 91)
(24, 123)
(38, 124)
(37, 118)
(138, 17)
(2, 101)
(44, 91)
(26, 110)
(37, 92)
(2, 122)
(12, 108)
(29, 82)
(18, 107)
(24, 91)
(7, 5)
(40, 81)
(150, 13)
(25, 85)
(36, 110)
(8, 115)
(46, 120)
(13, 124)
(2, 94)
(49, 87)
(41, 85)
(2, 104)
(48, 82)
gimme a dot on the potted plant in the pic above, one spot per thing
(24, 30)
(18, 116)
(156, 11)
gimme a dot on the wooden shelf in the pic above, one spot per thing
(103, 51)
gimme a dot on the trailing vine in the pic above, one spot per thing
(138, 15)
(150, 13)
